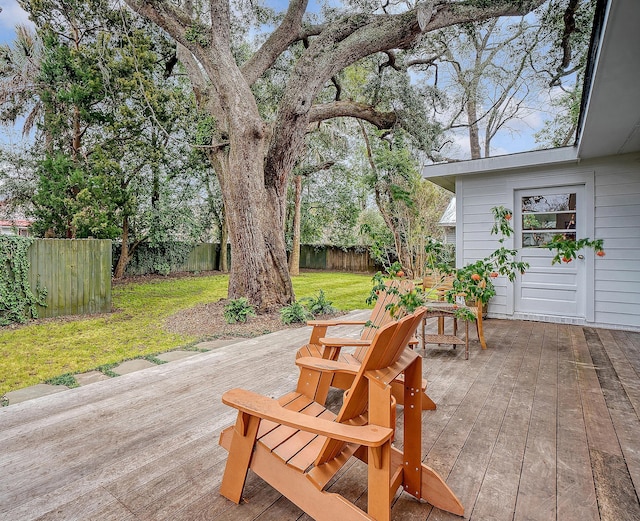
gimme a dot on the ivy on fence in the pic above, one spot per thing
(17, 301)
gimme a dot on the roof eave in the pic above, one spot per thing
(444, 174)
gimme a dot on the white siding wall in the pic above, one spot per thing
(475, 196)
(613, 182)
(617, 221)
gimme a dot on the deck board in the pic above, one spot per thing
(537, 491)
(543, 425)
(576, 499)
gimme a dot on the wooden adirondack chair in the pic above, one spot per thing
(328, 348)
(296, 445)
(322, 346)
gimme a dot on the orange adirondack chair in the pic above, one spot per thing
(322, 346)
(296, 445)
(329, 348)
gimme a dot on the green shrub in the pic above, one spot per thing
(159, 258)
(294, 312)
(318, 305)
(238, 310)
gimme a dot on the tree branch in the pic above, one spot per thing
(349, 39)
(353, 109)
(312, 169)
(289, 31)
(165, 14)
(569, 29)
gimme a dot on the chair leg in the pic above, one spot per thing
(379, 458)
(235, 472)
(427, 403)
(435, 491)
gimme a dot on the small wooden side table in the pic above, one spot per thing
(443, 310)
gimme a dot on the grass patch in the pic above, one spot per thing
(42, 351)
(154, 359)
(107, 369)
(64, 379)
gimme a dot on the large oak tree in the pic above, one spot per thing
(253, 158)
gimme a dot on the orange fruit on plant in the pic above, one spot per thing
(600, 253)
(493, 274)
(400, 274)
(476, 277)
(508, 217)
(566, 259)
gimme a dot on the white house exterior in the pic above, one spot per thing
(448, 222)
(15, 227)
(591, 189)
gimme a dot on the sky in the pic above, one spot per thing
(519, 140)
(11, 15)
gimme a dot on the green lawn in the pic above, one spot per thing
(34, 353)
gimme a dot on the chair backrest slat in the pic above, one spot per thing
(381, 316)
(438, 284)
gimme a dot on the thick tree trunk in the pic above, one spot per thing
(254, 221)
(294, 258)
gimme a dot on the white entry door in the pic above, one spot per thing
(546, 289)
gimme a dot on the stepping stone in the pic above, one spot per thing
(35, 391)
(171, 356)
(90, 377)
(131, 366)
(213, 344)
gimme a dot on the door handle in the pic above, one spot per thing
(581, 257)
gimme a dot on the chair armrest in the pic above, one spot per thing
(325, 365)
(336, 322)
(340, 342)
(269, 409)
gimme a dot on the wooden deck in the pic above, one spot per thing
(541, 426)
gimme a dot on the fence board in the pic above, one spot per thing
(313, 257)
(349, 260)
(76, 273)
(203, 257)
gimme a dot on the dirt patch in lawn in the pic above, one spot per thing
(207, 321)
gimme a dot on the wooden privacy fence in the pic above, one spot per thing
(330, 258)
(350, 260)
(76, 274)
(203, 257)
(206, 257)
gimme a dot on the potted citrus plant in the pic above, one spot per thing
(475, 281)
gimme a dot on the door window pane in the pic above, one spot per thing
(545, 216)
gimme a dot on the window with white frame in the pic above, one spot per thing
(545, 216)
